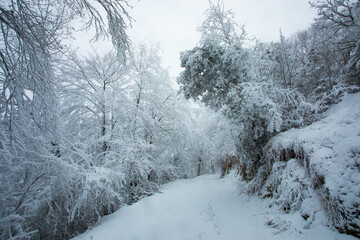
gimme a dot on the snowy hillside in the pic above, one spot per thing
(204, 208)
(319, 161)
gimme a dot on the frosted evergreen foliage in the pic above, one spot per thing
(211, 70)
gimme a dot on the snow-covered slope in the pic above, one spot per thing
(204, 208)
(319, 161)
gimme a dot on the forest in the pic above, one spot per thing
(83, 136)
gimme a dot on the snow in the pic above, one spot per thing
(332, 143)
(332, 149)
(208, 208)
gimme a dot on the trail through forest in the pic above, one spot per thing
(206, 208)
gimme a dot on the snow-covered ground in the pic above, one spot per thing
(206, 208)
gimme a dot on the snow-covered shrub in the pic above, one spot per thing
(137, 180)
(76, 198)
(264, 109)
(323, 157)
(288, 184)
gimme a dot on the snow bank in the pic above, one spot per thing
(320, 160)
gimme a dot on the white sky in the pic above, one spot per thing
(173, 23)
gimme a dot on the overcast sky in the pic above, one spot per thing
(173, 23)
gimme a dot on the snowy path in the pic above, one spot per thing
(202, 208)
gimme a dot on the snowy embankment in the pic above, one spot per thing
(204, 208)
(317, 167)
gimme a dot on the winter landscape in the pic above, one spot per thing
(251, 139)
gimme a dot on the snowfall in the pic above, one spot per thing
(206, 207)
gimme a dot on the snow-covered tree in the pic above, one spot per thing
(31, 44)
(340, 18)
(211, 70)
(220, 26)
(255, 90)
(94, 87)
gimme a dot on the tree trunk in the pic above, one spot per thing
(103, 127)
(199, 167)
